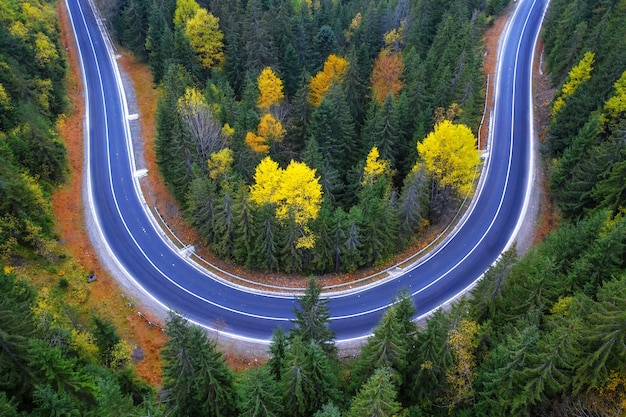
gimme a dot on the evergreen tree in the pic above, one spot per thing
(195, 374)
(355, 88)
(308, 381)
(431, 358)
(312, 319)
(382, 130)
(291, 70)
(377, 397)
(278, 350)
(171, 148)
(18, 326)
(202, 201)
(413, 202)
(500, 379)
(260, 395)
(386, 348)
(224, 224)
(266, 246)
(244, 218)
(258, 42)
(604, 337)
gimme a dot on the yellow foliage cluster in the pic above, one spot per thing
(354, 25)
(220, 163)
(451, 113)
(120, 355)
(205, 38)
(615, 106)
(334, 69)
(294, 191)
(192, 100)
(578, 75)
(185, 10)
(269, 131)
(611, 396)
(270, 88)
(375, 167)
(84, 343)
(562, 307)
(450, 155)
(356, 21)
(463, 341)
(5, 99)
(227, 131)
(257, 143)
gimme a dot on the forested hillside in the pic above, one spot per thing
(288, 130)
(543, 335)
(32, 94)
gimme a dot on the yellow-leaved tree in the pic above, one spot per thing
(269, 132)
(270, 88)
(375, 167)
(271, 129)
(185, 10)
(220, 163)
(463, 341)
(578, 75)
(295, 192)
(615, 106)
(257, 143)
(205, 38)
(450, 155)
(334, 69)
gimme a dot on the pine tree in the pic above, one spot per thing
(385, 131)
(414, 201)
(278, 349)
(308, 381)
(387, 348)
(244, 225)
(194, 372)
(312, 319)
(377, 397)
(265, 254)
(260, 396)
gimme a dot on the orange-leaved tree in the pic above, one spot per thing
(450, 155)
(269, 132)
(388, 69)
(334, 69)
(270, 88)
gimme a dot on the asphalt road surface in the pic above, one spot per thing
(146, 258)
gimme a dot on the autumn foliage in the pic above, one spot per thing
(450, 154)
(578, 75)
(270, 89)
(334, 69)
(386, 74)
(294, 190)
(269, 131)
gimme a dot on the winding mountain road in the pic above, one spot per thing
(143, 256)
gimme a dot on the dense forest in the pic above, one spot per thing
(541, 335)
(288, 130)
(32, 96)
